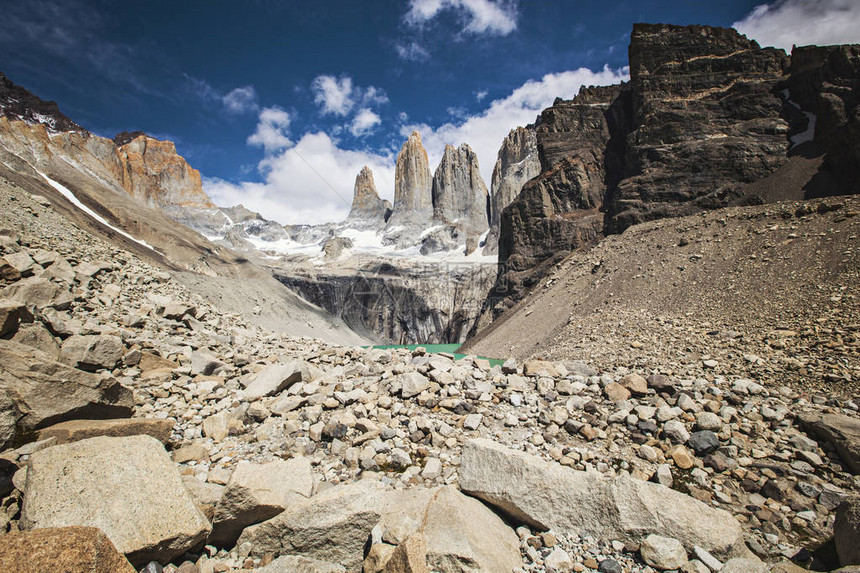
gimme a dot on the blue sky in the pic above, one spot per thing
(279, 104)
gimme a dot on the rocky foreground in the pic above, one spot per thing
(144, 429)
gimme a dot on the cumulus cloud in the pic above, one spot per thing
(311, 182)
(339, 96)
(272, 128)
(365, 120)
(485, 131)
(495, 17)
(784, 23)
(333, 95)
(241, 100)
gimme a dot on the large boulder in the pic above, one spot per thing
(127, 487)
(455, 532)
(46, 392)
(843, 432)
(545, 495)
(257, 492)
(276, 378)
(333, 525)
(77, 430)
(846, 532)
(59, 549)
(92, 352)
(34, 292)
(459, 533)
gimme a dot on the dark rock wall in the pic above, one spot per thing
(706, 113)
(418, 304)
(706, 119)
(826, 82)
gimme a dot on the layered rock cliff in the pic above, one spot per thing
(708, 119)
(517, 163)
(367, 206)
(705, 119)
(558, 210)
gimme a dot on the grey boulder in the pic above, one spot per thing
(45, 392)
(545, 495)
(92, 352)
(276, 378)
(257, 492)
(127, 487)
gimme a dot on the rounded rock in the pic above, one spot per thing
(663, 552)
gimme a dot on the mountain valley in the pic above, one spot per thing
(658, 300)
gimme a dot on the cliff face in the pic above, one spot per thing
(705, 119)
(557, 211)
(459, 193)
(517, 163)
(154, 173)
(708, 119)
(366, 203)
(825, 82)
(403, 304)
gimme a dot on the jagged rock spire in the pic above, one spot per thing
(412, 181)
(366, 203)
(459, 193)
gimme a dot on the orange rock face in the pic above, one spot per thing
(155, 173)
(61, 549)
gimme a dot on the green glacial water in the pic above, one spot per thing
(437, 348)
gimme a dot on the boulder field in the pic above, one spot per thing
(146, 429)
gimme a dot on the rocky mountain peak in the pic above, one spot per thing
(459, 193)
(153, 172)
(124, 137)
(17, 103)
(366, 203)
(412, 180)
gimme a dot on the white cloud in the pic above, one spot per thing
(477, 16)
(339, 96)
(333, 95)
(309, 183)
(784, 23)
(481, 95)
(485, 131)
(365, 120)
(412, 51)
(272, 129)
(372, 96)
(241, 100)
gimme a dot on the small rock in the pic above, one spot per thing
(663, 552)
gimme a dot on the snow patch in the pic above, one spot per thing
(65, 192)
(809, 133)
